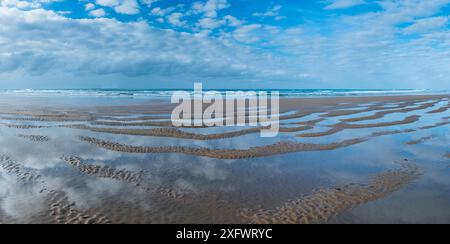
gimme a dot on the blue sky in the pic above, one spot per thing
(224, 44)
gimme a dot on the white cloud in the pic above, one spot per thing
(149, 3)
(129, 7)
(25, 4)
(97, 13)
(175, 19)
(344, 4)
(368, 49)
(89, 6)
(108, 3)
(233, 21)
(271, 12)
(161, 12)
(210, 23)
(106, 46)
(426, 25)
(210, 8)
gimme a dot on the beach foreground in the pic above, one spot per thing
(373, 159)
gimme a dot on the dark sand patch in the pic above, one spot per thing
(23, 174)
(439, 124)
(400, 107)
(420, 140)
(343, 126)
(135, 124)
(63, 211)
(308, 122)
(34, 138)
(167, 132)
(381, 114)
(176, 133)
(138, 118)
(24, 127)
(50, 119)
(440, 110)
(104, 171)
(254, 152)
(326, 203)
(407, 120)
(392, 132)
(323, 133)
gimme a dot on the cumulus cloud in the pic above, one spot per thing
(162, 12)
(25, 4)
(107, 46)
(344, 4)
(271, 12)
(175, 19)
(149, 3)
(97, 13)
(89, 6)
(427, 25)
(210, 8)
(129, 7)
(407, 45)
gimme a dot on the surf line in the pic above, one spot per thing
(229, 108)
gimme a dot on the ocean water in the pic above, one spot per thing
(164, 93)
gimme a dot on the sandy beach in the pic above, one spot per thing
(336, 160)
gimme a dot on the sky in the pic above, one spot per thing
(382, 44)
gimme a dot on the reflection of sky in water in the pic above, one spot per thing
(223, 186)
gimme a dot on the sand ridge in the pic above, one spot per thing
(392, 132)
(254, 152)
(34, 138)
(326, 203)
(420, 140)
(440, 110)
(24, 127)
(343, 126)
(137, 179)
(103, 171)
(381, 114)
(177, 133)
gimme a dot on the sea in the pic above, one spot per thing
(161, 93)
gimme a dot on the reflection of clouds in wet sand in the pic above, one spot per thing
(218, 170)
(19, 202)
(38, 191)
(141, 179)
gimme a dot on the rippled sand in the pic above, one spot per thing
(127, 163)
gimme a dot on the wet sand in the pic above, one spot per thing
(325, 203)
(421, 140)
(132, 155)
(59, 207)
(265, 151)
(35, 138)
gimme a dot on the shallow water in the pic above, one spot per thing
(181, 188)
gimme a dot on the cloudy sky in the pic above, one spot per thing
(225, 43)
